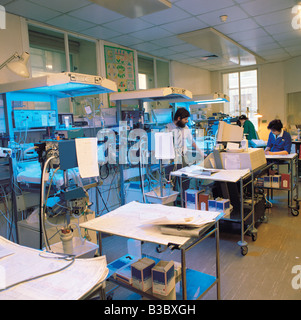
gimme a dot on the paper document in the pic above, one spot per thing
(31, 274)
(189, 219)
(86, 151)
(164, 148)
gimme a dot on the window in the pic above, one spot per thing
(242, 90)
(48, 55)
(153, 73)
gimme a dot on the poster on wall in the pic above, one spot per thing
(120, 67)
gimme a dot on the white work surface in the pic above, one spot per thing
(19, 264)
(140, 221)
(281, 156)
(217, 174)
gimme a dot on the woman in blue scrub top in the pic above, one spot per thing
(280, 141)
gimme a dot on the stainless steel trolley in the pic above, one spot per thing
(193, 283)
(291, 160)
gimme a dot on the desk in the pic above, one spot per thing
(41, 275)
(229, 176)
(133, 221)
(292, 161)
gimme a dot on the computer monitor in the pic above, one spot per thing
(229, 132)
(66, 119)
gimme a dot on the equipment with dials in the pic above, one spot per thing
(72, 198)
(27, 119)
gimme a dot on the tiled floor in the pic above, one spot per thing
(265, 273)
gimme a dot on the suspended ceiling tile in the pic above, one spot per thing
(185, 25)
(189, 60)
(285, 36)
(163, 52)
(294, 49)
(279, 28)
(288, 42)
(255, 47)
(70, 23)
(165, 16)
(127, 25)
(145, 46)
(245, 36)
(95, 14)
(151, 34)
(178, 56)
(134, 8)
(213, 18)
(198, 53)
(260, 7)
(126, 40)
(184, 48)
(167, 42)
(241, 25)
(274, 17)
(100, 32)
(269, 52)
(197, 7)
(31, 10)
(62, 6)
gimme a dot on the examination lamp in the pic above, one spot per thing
(19, 67)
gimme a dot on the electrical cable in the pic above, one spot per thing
(67, 258)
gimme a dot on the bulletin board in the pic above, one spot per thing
(120, 67)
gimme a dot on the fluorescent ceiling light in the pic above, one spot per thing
(220, 45)
(211, 98)
(134, 8)
(172, 94)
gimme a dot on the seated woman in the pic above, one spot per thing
(249, 129)
(280, 141)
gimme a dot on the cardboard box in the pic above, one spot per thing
(276, 181)
(267, 181)
(251, 159)
(196, 199)
(203, 201)
(124, 275)
(142, 273)
(163, 277)
(223, 205)
(285, 181)
(191, 199)
(211, 205)
(260, 182)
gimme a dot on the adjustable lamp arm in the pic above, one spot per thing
(14, 56)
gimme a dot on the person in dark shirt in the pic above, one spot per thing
(249, 129)
(280, 141)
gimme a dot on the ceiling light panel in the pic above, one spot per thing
(134, 8)
(217, 43)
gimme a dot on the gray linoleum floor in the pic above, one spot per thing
(265, 273)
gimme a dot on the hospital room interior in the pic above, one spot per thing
(150, 150)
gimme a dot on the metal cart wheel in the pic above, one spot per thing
(295, 212)
(244, 250)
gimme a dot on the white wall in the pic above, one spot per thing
(194, 79)
(271, 96)
(13, 39)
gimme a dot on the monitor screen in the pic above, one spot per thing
(229, 132)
